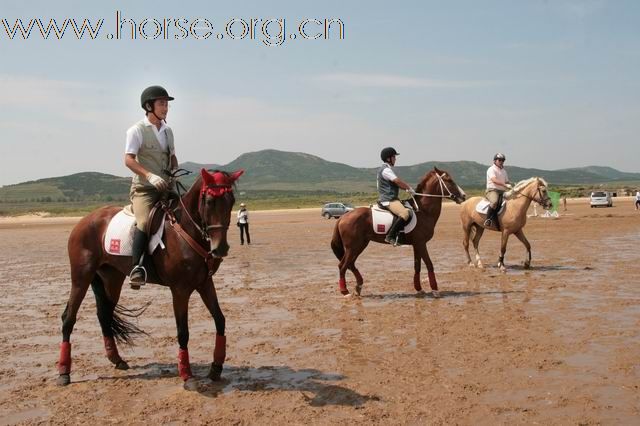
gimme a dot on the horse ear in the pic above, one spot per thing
(436, 169)
(235, 175)
(206, 177)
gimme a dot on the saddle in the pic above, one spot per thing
(483, 206)
(382, 219)
(118, 240)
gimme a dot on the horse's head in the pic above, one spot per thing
(439, 182)
(535, 189)
(214, 207)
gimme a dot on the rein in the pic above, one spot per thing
(203, 227)
(441, 195)
(539, 201)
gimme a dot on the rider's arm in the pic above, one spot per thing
(499, 182)
(134, 166)
(174, 162)
(402, 184)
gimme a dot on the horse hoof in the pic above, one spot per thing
(191, 384)
(63, 380)
(435, 294)
(503, 269)
(527, 265)
(122, 365)
(472, 265)
(480, 265)
(214, 373)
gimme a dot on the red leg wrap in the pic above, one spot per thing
(111, 349)
(220, 350)
(432, 281)
(64, 362)
(343, 286)
(416, 282)
(184, 367)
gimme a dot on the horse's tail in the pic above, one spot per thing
(336, 243)
(111, 315)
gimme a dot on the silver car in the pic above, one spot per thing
(335, 210)
(601, 198)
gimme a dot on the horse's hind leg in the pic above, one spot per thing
(476, 243)
(503, 250)
(523, 239)
(417, 266)
(208, 294)
(80, 279)
(424, 254)
(106, 288)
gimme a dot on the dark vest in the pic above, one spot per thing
(387, 190)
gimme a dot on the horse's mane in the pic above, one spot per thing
(423, 183)
(523, 184)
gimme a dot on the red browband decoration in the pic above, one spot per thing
(218, 183)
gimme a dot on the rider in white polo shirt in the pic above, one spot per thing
(497, 184)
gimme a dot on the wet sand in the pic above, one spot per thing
(557, 344)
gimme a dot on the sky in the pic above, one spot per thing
(551, 84)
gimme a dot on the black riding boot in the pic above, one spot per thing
(392, 236)
(138, 276)
(489, 221)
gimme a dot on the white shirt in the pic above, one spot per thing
(134, 137)
(243, 216)
(389, 174)
(499, 174)
(638, 196)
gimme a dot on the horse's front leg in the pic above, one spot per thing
(430, 271)
(208, 294)
(417, 265)
(503, 250)
(523, 239)
(181, 312)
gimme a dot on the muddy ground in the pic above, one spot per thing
(558, 344)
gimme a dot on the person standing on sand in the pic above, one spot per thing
(243, 223)
(637, 200)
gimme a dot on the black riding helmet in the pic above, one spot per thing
(388, 152)
(151, 94)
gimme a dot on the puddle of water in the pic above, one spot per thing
(29, 415)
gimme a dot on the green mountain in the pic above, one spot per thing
(285, 173)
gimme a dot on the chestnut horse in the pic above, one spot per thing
(195, 242)
(354, 231)
(511, 220)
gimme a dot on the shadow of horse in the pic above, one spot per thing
(259, 379)
(443, 294)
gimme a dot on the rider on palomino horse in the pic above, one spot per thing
(497, 184)
(150, 155)
(388, 186)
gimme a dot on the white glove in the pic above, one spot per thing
(159, 183)
(508, 185)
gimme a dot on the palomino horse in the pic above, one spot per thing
(512, 219)
(195, 242)
(354, 231)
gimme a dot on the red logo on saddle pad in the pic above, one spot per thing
(114, 247)
(381, 228)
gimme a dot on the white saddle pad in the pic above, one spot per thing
(118, 240)
(382, 221)
(483, 206)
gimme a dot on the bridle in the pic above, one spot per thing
(215, 190)
(443, 186)
(540, 200)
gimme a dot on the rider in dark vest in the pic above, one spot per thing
(150, 155)
(389, 185)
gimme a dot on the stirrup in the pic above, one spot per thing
(391, 240)
(137, 283)
(488, 223)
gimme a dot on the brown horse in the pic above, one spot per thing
(195, 242)
(354, 231)
(512, 219)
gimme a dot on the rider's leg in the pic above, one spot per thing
(492, 196)
(403, 214)
(142, 202)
